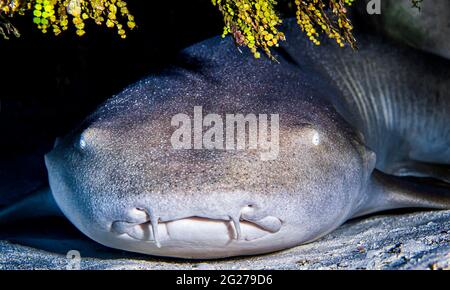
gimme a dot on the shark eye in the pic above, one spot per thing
(82, 142)
(309, 135)
(91, 138)
(315, 139)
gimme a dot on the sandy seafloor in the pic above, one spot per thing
(417, 240)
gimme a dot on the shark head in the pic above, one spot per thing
(190, 165)
(122, 183)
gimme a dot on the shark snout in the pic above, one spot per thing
(249, 224)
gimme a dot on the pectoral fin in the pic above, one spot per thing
(391, 192)
(422, 169)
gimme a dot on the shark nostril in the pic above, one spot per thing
(135, 217)
(256, 215)
(249, 209)
(131, 218)
(139, 215)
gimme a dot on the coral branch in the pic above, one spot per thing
(253, 23)
(57, 15)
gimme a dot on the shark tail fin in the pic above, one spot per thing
(393, 192)
(39, 204)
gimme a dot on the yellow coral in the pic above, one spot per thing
(56, 14)
(311, 15)
(253, 23)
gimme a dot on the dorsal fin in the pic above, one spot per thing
(392, 192)
(38, 204)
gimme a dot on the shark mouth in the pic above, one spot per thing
(198, 230)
